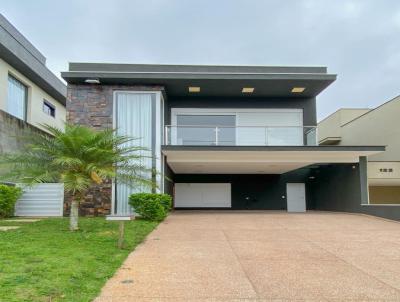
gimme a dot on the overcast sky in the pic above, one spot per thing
(357, 40)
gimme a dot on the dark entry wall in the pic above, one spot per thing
(338, 188)
(253, 191)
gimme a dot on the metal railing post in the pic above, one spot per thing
(166, 135)
(216, 136)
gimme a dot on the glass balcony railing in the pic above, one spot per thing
(187, 135)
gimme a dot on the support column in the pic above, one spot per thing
(363, 163)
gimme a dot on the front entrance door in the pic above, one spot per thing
(296, 197)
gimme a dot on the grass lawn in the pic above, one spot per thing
(44, 261)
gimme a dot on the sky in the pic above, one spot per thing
(357, 40)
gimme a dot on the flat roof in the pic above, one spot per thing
(213, 80)
(17, 51)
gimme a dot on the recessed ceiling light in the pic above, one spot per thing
(298, 89)
(248, 89)
(194, 89)
(92, 81)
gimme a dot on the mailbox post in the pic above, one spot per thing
(121, 231)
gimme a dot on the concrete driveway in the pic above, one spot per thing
(262, 256)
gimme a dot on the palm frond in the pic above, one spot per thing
(78, 157)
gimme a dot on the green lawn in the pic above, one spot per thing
(44, 261)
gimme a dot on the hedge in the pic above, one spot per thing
(151, 206)
(8, 197)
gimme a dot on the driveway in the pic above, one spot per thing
(262, 256)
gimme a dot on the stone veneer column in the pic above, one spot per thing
(92, 105)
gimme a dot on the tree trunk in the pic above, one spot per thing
(73, 216)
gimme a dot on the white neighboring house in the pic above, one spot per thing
(378, 126)
(30, 95)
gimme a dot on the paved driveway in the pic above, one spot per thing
(262, 256)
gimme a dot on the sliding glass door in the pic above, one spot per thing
(238, 126)
(206, 129)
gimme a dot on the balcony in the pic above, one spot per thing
(210, 135)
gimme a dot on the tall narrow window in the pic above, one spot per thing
(134, 118)
(16, 98)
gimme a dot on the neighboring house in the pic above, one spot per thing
(30, 95)
(227, 137)
(29, 91)
(378, 126)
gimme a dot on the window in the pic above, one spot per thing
(239, 127)
(134, 118)
(49, 109)
(16, 98)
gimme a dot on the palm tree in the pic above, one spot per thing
(79, 157)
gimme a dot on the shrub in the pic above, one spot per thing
(151, 206)
(8, 197)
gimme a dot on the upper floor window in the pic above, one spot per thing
(17, 98)
(49, 108)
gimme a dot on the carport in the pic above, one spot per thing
(261, 177)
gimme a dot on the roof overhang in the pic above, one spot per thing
(224, 81)
(259, 159)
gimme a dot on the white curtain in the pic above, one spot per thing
(16, 98)
(134, 119)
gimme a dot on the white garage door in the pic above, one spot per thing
(202, 195)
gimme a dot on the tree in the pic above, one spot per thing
(79, 157)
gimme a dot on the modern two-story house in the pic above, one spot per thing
(226, 137)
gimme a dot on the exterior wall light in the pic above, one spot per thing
(194, 89)
(247, 89)
(298, 89)
(92, 81)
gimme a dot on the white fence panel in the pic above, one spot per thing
(41, 200)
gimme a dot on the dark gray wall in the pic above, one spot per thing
(338, 188)
(168, 179)
(264, 191)
(307, 104)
